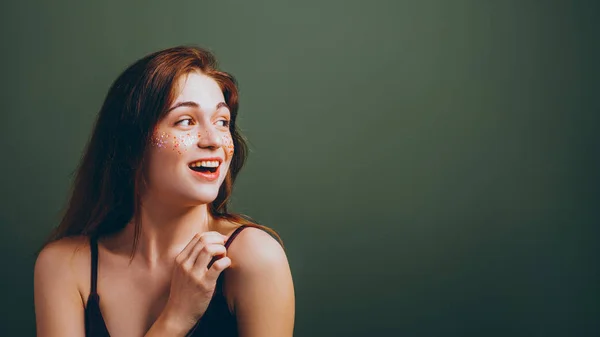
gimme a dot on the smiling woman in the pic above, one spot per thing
(147, 227)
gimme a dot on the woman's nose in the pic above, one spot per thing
(209, 139)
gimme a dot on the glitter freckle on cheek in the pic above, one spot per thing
(187, 140)
(175, 143)
(183, 143)
(228, 145)
(160, 140)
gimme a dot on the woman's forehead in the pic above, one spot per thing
(200, 88)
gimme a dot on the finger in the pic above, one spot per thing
(184, 254)
(217, 267)
(215, 258)
(205, 240)
(211, 235)
(214, 234)
(207, 253)
(211, 238)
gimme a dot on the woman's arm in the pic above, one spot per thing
(261, 284)
(58, 306)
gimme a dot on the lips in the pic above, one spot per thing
(206, 168)
(207, 175)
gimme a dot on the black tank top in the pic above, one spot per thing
(217, 321)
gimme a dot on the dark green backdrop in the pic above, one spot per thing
(431, 165)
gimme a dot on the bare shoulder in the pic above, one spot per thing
(64, 253)
(63, 262)
(58, 271)
(255, 250)
(259, 281)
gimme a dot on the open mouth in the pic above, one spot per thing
(205, 166)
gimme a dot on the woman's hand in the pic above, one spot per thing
(194, 278)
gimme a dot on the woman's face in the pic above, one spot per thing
(192, 146)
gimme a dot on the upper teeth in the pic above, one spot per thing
(205, 163)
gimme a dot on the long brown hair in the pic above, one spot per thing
(107, 188)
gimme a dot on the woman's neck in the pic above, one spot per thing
(165, 231)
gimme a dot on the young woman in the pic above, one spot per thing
(147, 246)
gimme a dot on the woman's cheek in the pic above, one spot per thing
(186, 141)
(179, 144)
(166, 141)
(160, 140)
(228, 145)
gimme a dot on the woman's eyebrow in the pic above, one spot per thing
(196, 105)
(222, 105)
(186, 103)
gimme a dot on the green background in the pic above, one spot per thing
(432, 166)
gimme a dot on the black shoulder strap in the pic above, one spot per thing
(94, 276)
(227, 243)
(233, 235)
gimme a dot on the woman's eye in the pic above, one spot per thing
(184, 122)
(223, 122)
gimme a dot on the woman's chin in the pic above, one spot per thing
(204, 197)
